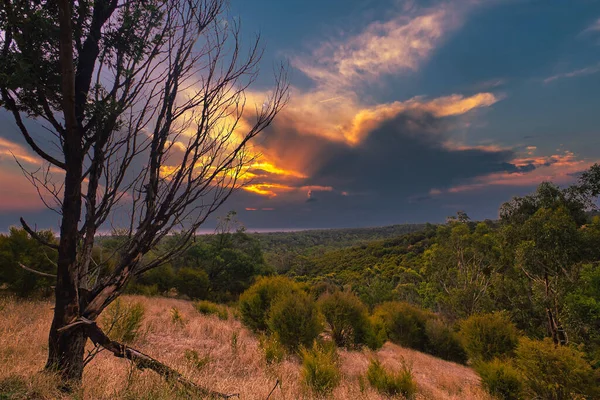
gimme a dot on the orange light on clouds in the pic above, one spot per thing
(267, 189)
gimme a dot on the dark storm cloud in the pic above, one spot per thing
(404, 157)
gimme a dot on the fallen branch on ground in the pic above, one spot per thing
(141, 360)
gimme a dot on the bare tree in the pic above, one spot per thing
(145, 103)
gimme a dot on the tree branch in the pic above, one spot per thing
(26, 268)
(37, 237)
(141, 360)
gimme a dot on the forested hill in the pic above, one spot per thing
(331, 238)
(396, 251)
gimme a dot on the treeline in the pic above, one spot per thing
(217, 267)
(283, 250)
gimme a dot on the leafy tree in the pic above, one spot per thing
(141, 101)
(462, 264)
(347, 318)
(192, 282)
(18, 249)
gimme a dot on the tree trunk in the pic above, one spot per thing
(65, 354)
(65, 349)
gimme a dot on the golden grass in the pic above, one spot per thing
(235, 361)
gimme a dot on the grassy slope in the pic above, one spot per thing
(24, 326)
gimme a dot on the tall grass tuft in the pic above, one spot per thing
(320, 371)
(392, 384)
(208, 308)
(122, 321)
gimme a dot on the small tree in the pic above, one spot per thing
(144, 102)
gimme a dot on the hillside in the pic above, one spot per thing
(283, 249)
(233, 361)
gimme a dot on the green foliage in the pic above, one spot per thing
(231, 260)
(582, 310)
(208, 308)
(392, 384)
(144, 290)
(501, 379)
(177, 317)
(19, 248)
(404, 324)
(320, 371)
(163, 278)
(486, 336)
(273, 350)
(554, 372)
(442, 342)
(255, 303)
(122, 321)
(194, 358)
(193, 283)
(347, 318)
(295, 320)
(413, 327)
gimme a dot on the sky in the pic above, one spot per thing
(401, 111)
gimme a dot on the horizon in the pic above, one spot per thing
(400, 112)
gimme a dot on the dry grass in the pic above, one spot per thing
(235, 362)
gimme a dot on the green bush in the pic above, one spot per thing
(295, 320)
(442, 342)
(404, 323)
(192, 282)
(392, 384)
(377, 334)
(320, 372)
(554, 372)
(122, 321)
(144, 290)
(272, 349)
(209, 308)
(347, 318)
(255, 303)
(163, 278)
(487, 336)
(500, 379)
(194, 358)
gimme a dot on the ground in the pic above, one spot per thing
(235, 360)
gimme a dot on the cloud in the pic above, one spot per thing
(594, 27)
(592, 69)
(557, 168)
(10, 150)
(407, 155)
(397, 45)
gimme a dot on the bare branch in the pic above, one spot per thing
(37, 237)
(26, 268)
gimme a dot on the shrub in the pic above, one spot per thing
(177, 317)
(272, 349)
(320, 372)
(192, 282)
(486, 336)
(377, 334)
(295, 320)
(404, 324)
(208, 308)
(162, 277)
(392, 384)
(443, 342)
(144, 290)
(347, 318)
(255, 303)
(500, 379)
(194, 358)
(122, 321)
(554, 372)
